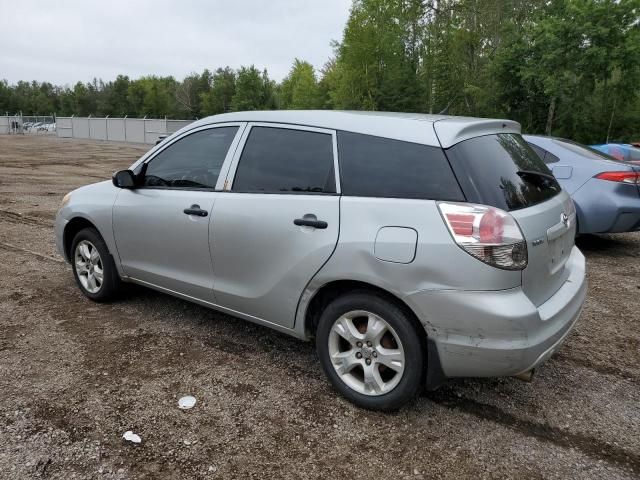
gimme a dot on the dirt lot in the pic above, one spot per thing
(74, 375)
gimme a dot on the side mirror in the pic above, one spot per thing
(124, 179)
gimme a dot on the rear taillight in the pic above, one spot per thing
(487, 233)
(624, 177)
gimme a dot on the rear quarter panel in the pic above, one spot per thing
(606, 206)
(439, 264)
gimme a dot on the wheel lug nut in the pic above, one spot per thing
(359, 344)
(375, 354)
(368, 344)
(368, 360)
(358, 355)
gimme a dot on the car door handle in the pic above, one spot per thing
(310, 221)
(196, 210)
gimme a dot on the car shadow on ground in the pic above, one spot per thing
(233, 333)
(207, 320)
(611, 244)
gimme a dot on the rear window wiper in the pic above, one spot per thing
(533, 173)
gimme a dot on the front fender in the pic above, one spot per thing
(93, 203)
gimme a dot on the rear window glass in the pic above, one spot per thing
(502, 171)
(379, 167)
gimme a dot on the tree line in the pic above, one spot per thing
(569, 68)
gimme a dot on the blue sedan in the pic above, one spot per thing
(606, 191)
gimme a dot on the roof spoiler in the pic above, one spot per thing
(457, 129)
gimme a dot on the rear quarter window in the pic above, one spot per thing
(546, 156)
(502, 171)
(380, 167)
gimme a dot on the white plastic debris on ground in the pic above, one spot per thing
(129, 436)
(185, 403)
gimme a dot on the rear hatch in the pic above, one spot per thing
(502, 171)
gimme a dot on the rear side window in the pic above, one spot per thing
(502, 171)
(379, 167)
(280, 160)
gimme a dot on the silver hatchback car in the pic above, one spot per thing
(413, 248)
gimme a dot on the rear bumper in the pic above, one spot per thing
(607, 207)
(626, 222)
(498, 333)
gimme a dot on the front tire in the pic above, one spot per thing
(370, 351)
(93, 266)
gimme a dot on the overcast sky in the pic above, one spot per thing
(66, 41)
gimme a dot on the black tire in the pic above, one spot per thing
(405, 329)
(111, 282)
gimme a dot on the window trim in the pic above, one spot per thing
(224, 169)
(231, 174)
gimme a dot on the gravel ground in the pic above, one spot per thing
(74, 375)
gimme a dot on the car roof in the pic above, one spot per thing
(434, 130)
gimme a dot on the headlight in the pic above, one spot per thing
(65, 200)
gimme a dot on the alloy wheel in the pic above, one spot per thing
(89, 266)
(366, 353)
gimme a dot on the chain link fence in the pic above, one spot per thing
(23, 124)
(11, 124)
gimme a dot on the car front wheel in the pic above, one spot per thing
(371, 351)
(93, 266)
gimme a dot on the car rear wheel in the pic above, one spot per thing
(93, 266)
(371, 351)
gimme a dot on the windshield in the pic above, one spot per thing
(502, 171)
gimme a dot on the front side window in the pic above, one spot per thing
(193, 161)
(502, 171)
(281, 160)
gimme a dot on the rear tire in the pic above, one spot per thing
(93, 266)
(370, 351)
